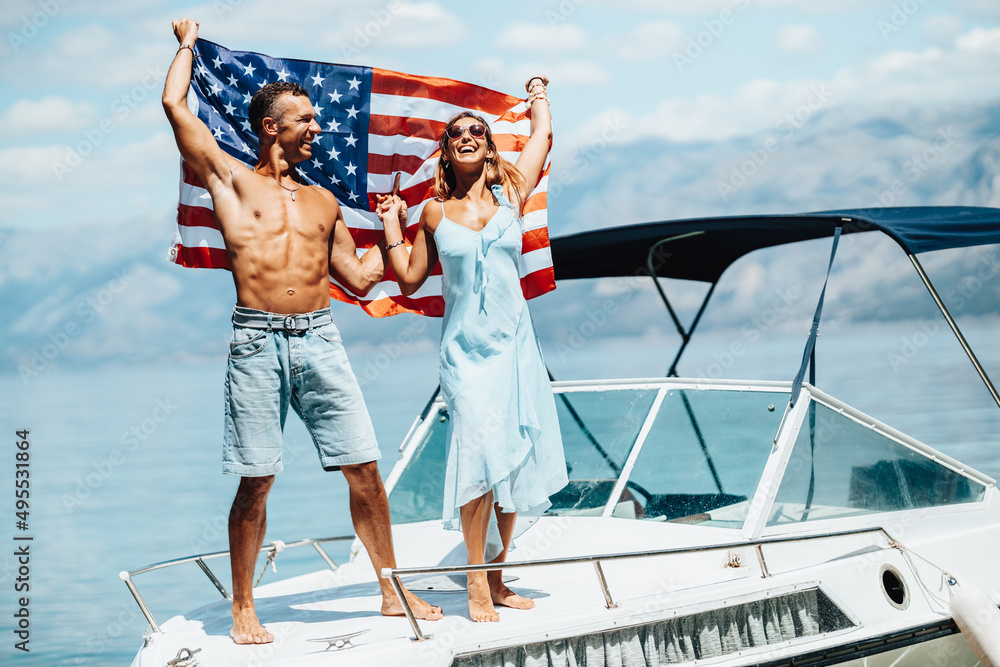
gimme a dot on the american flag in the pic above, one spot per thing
(376, 124)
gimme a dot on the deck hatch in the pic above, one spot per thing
(709, 634)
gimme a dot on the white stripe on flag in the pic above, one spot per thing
(383, 182)
(357, 219)
(193, 237)
(413, 107)
(520, 127)
(536, 260)
(192, 195)
(400, 145)
(534, 220)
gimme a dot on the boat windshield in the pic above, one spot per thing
(841, 466)
(693, 452)
(687, 452)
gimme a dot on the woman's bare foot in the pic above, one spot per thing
(247, 629)
(503, 596)
(480, 603)
(420, 609)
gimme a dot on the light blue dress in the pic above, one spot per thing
(503, 433)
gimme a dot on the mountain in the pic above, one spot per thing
(104, 293)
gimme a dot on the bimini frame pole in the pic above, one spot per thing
(954, 328)
(651, 264)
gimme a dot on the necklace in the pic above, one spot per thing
(291, 191)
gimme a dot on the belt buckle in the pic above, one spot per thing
(288, 324)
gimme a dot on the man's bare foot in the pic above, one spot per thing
(247, 629)
(420, 609)
(503, 596)
(480, 605)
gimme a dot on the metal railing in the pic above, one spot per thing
(272, 549)
(393, 575)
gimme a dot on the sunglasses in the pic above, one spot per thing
(477, 131)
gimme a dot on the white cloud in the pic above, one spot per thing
(352, 31)
(507, 76)
(705, 6)
(652, 40)
(50, 114)
(422, 25)
(95, 56)
(967, 73)
(532, 37)
(799, 39)
(106, 179)
(942, 30)
(29, 167)
(980, 40)
(756, 104)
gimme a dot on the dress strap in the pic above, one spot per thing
(502, 198)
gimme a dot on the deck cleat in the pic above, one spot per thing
(340, 642)
(185, 658)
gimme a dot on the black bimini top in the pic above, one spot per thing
(702, 248)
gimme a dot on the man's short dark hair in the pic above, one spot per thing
(265, 102)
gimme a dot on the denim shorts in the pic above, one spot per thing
(270, 368)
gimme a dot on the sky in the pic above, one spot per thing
(661, 110)
(84, 138)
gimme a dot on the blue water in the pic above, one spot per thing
(126, 461)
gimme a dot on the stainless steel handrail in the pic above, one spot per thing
(126, 576)
(393, 575)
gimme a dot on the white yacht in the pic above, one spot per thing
(706, 522)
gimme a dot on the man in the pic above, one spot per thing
(283, 240)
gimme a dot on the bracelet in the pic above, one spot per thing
(186, 46)
(393, 245)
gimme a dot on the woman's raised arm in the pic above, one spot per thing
(531, 161)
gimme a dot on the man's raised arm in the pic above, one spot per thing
(194, 139)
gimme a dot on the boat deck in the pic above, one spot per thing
(569, 599)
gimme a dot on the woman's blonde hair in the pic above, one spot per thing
(498, 170)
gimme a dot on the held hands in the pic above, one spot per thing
(392, 205)
(389, 207)
(186, 31)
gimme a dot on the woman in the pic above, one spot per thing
(505, 451)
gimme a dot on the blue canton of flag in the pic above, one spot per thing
(225, 81)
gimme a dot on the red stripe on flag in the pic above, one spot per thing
(538, 283)
(536, 202)
(196, 216)
(421, 128)
(432, 306)
(390, 164)
(513, 143)
(188, 175)
(366, 238)
(415, 194)
(202, 257)
(534, 239)
(457, 93)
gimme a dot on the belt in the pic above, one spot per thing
(259, 319)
